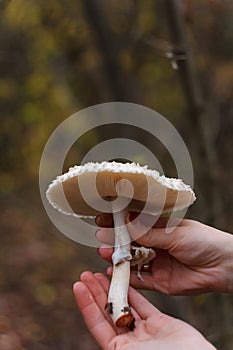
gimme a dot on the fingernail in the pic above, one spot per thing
(77, 288)
(99, 276)
(109, 271)
(99, 249)
(133, 216)
(98, 220)
(135, 221)
(102, 247)
(75, 284)
(139, 219)
(96, 233)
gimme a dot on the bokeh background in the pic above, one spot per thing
(59, 56)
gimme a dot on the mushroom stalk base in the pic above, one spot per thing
(118, 292)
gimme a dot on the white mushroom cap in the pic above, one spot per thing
(65, 194)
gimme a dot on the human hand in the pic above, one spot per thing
(153, 329)
(193, 258)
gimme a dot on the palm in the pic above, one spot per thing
(170, 276)
(187, 266)
(153, 329)
(150, 334)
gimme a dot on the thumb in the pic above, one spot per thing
(148, 236)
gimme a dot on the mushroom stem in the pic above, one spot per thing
(118, 293)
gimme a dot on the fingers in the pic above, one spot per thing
(105, 235)
(149, 220)
(154, 237)
(97, 324)
(137, 230)
(103, 281)
(104, 220)
(95, 288)
(147, 231)
(106, 253)
(142, 306)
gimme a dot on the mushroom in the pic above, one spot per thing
(92, 188)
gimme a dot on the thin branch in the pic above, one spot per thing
(199, 110)
(106, 42)
(186, 67)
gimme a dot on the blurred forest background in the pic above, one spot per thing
(59, 56)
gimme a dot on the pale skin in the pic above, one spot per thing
(153, 329)
(194, 258)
